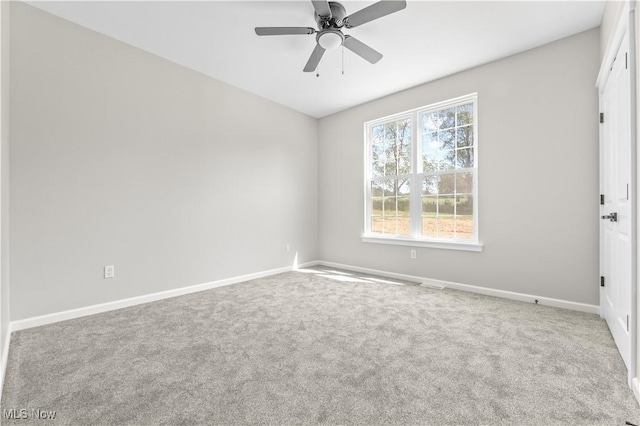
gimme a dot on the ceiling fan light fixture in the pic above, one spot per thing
(331, 19)
(330, 39)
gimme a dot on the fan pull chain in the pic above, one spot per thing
(318, 71)
(343, 59)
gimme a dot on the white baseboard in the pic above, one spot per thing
(5, 357)
(522, 297)
(138, 300)
(635, 387)
(123, 303)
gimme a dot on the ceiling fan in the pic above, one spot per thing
(331, 19)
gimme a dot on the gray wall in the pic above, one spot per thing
(121, 157)
(4, 179)
(538, 176)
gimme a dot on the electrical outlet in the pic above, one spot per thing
(413, 254)
(288, 248)
(109, 271)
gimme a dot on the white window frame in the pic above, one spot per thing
(415, 238)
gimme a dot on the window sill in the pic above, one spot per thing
(412, 242)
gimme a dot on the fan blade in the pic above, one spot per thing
(267, 31)
(361, 49)
(375, 11)
(314, 60)
(322, 8)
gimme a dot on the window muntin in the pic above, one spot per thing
(422, 178)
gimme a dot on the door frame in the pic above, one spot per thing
(625, 27)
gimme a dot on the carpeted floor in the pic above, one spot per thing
(322, 346)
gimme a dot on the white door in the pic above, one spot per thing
(617, 226)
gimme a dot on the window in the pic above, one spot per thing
(421, 176)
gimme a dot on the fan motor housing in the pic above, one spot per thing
(338, 12)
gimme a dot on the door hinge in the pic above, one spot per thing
(627, 323)
(602, 117)
(602, 199)
(626, 60)
(601, 281)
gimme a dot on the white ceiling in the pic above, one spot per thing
(425, 41)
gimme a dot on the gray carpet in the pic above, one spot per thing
(322, 347)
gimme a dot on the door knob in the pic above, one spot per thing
(613, 217)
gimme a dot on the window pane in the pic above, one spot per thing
(430, 185)
(445, 216)
(404, 129)
(378, 159)
(390, 167)
(439, 184)
(377, 189)
(445, 205)
(464, 158)
(398, 207)
(464, 216)
(400, 129)
(388, 146)
(391, 148)
(402, 155)
(440, 217)
(430, 138)
(442, 119)
(387, 206)
(446, 184)
(403, 187)
(464, 136)
(403, 206)
(435, 159)
(396, 225)
(448, 117)
(376, 206)
(390, 131)
(431, 153)
(429, 206)
(394, 207)
(389, 187)
(377, 224)
(393, 224)
(447, 139)
(378, 152)
(464, 204)
(429, 226)
(464, 114)
(378, 169)
(429, 213)
(431, 121)
(464, 227)
(377, 133)
(404, 165)
(464, 183)
(385, 151)
(447, 160)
